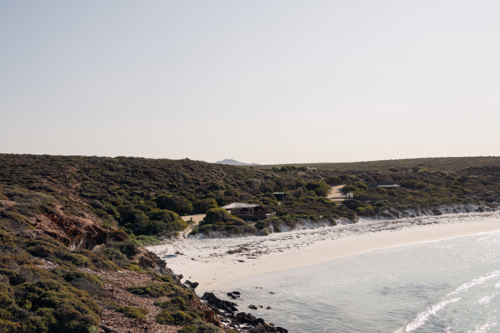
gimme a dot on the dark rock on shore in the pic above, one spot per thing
(258, 323)
(233, 296)
(253, 307)
(243, 322)
(217, 304)
(191, 285)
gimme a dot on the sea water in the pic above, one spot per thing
(444, 286)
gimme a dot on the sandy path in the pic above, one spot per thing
(217, 262)
(196, 219)
(336, 193)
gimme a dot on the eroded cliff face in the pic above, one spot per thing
(74, 232)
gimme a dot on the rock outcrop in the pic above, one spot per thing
(74, 232)
(244, 322)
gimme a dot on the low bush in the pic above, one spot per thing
(182, 300)
(52, 307)
(77, 260)
(152, 289)
(143, 240)
(114, 255)
(133, 312)
(178, 318)
(79, 275)
(199, 326)
(216, 215)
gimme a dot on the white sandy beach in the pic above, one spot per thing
(218, 262)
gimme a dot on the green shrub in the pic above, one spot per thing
(198, 326)
(261, 224)
(130, 248)
(77, 260)
(133, 312)
(5, 238)
(41, 251)
(177, 204)
(164, 278)
(189, 329)
(114, 255)
(152, 289)
(78, 275)
(57, 308)
(215, 215)
(144, 240)
(6, 295)
(14, 276)
(178, 318)
(333, 180)
(203, 205)
(135, 268)
(182, 300)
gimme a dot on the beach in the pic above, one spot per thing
(214, 263)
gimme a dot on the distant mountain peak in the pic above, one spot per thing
(234, 162)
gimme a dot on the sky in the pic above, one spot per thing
(270, 82)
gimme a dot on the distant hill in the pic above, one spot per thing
(234, 162)
(449, 164)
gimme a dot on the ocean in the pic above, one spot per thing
(449, 286)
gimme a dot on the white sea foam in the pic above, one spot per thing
(486, 299)
(485, 328)
(474, 282)
(423, 316)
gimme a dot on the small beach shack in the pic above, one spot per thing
(385, 185)
(247, 211)
(279, 195)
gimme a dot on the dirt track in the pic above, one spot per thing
(196, 219)
(336, 193)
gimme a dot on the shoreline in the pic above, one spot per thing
(219, 262)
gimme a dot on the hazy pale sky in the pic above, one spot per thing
(256, 81)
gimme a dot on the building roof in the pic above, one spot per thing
(239, 205)
(384, 185)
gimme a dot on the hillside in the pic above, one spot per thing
(148, 196)
(72, 227)
(234, 162)
(449, 164)
(69, 261)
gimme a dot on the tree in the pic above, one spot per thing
(178, 204)
(203, 205)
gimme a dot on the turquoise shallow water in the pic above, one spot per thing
(446, 286)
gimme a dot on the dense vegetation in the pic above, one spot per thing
(146, 197)
(425, 188)
(33, 299)
(63, 297)
(122, 202)
(449, 164)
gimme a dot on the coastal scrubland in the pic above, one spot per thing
(71, 225)
(47, 286)
(147, 197)
(449, 164)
